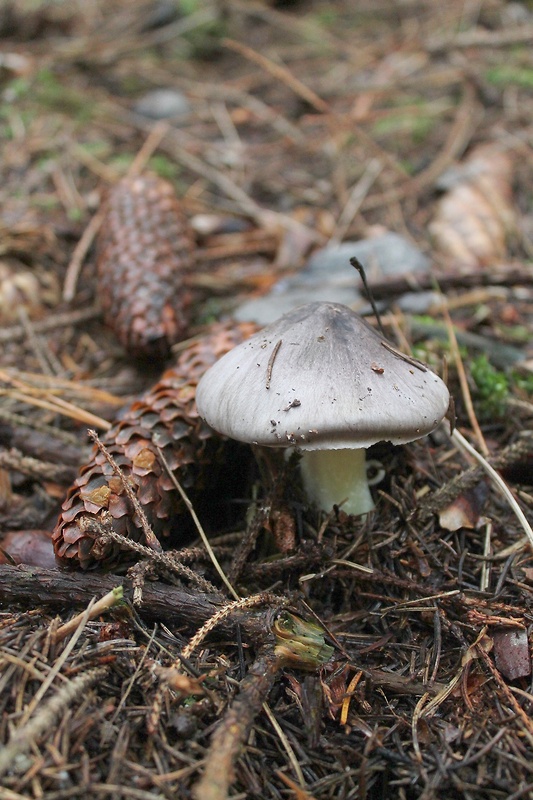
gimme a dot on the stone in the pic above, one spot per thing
(328, 276)
(163, 104)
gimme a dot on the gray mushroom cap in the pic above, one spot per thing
(320, 378)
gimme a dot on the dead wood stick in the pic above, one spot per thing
(504, 275)
(232, 731)
(161, 603)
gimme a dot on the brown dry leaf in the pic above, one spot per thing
(465, 510)
(511, 653)
(33, 547)
(475, 217)
(483, 642)
(334, 690)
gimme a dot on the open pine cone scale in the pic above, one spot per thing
(164, 417)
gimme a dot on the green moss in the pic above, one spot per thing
(326, 17)
(407, 165)
(98, 148)
(491, 388)
(514, 333)
(46, 202)
(133, 84)
(164, 167)
(210, 311)
(121, 162)
(418, 126)
(522, 383)
(50, 93)
(510, 75)
(75, 214)
(45, 90)
(203, 40)
(18, 88)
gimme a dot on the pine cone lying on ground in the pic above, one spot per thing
(165, 416)
(144, 248)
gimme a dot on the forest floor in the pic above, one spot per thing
(356, 657)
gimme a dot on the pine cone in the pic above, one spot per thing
(144, 248)
(165, 416)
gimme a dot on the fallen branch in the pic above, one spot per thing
(232, 731)
(162, 603)
(504, 275)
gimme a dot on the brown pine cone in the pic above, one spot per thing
(144, 247)
(166, 416)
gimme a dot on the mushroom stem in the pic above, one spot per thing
(331, 476)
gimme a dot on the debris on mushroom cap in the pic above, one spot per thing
(310, 380)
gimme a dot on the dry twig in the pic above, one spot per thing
(232, 731)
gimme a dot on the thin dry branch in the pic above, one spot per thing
(149, 536)
(171, 605)
(455, 278)
(169, 561)
(232, 731)
(54, 322)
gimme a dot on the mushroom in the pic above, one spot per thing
(321, 380)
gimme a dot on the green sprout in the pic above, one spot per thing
(300, 643)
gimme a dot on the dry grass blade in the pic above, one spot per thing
(82, 621)
(356, 199)
(52, 388)
(58, 406)
(78, 256)
(198, 525)
(151, 144)
(286, 744)
(15, 333)
(465, 390)
(106, 602)
(281, 73)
